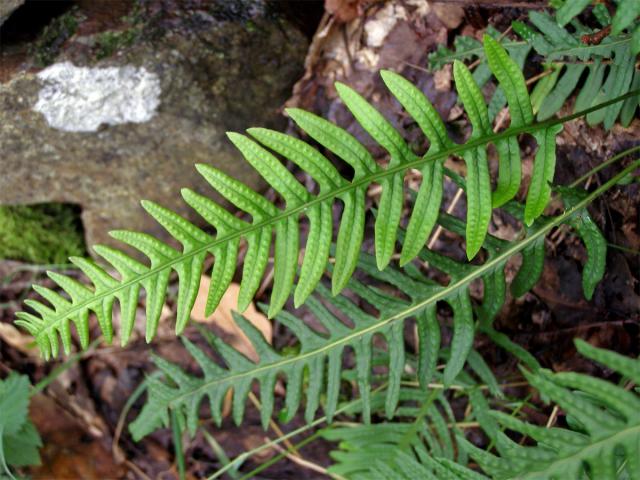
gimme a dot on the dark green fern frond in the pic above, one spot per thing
(625, 16)
(416, 446)
(604, 443)
(599, 71)
(320, 354)
(421, 442)
(606, 69)
(53, 318)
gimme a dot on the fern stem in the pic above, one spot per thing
(424, 409)
(177, 444)
(604, 165)
(70, 362)
(140, 389)
(220, 453)
(364, 181)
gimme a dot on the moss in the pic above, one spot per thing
(47, 233)
(49, 44)
(109, 42)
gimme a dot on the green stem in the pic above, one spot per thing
(177, 444)
(424, 408)
(70, 362)
(220, 453)
(3, 461)
(604, 165)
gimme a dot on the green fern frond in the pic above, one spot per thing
(603, 442)
(321, 354)
(625, 17)
(54, 318)
(368, 451)
(602, 81)
(609, 65)
(421, 445)
(604, 446)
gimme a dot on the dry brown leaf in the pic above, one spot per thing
(343, 10)
(18, 340)
(68, 451)
(223, 319)
(450, 15)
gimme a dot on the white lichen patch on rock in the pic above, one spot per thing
(80, 99)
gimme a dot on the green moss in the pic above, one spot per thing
(47, 233)
(109, 42)
(48, 46)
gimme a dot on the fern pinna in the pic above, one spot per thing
(99, 297)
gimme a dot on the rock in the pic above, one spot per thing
(104, 134)
(7, 7)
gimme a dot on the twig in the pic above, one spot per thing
(496, 3)
(464, 425)
(275, 426)
(537, 77)
(303, 463)
(137, 470)
(553, 417)
(450, 209)
(243, 456)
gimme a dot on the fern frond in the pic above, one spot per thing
(321, 354)
(601, 82)
(53, 319)
(604, 446)
(417, 446)
(626, 15)
(421, 445)
(568, 57)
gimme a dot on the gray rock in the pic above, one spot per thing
(221, 76)
(7, 7)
